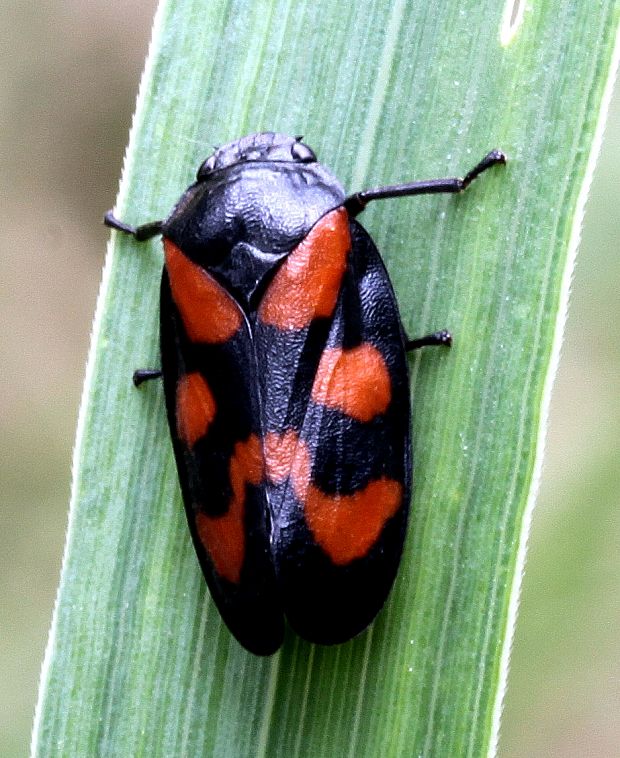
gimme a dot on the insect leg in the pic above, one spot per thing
(145, 374)
(443, 338)
(141, 233)
(356, 203)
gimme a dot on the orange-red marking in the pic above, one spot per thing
(308, 282)
(224, 536)
(195, 408)
(209, 313)
(355, 381)
(279, 452)
(345, 526)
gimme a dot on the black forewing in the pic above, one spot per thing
(251, 608)
(323, 601)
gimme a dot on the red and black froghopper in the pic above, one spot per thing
(284, 364)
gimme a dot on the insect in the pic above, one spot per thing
(285, 375)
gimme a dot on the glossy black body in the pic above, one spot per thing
(240, 221)
(246, 214)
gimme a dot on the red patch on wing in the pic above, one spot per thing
(279, 452)
(195, 408)
(344, 526)
(208, 312)
(355, 381)
(347, 526)
(307, 284)
(224, 536)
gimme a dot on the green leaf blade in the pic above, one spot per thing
(139, 662)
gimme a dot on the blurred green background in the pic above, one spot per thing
(68, 79)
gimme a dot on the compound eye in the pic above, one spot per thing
(302, 153)
(206, 168)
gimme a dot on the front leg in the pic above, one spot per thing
(140, 233)
(357, 202)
